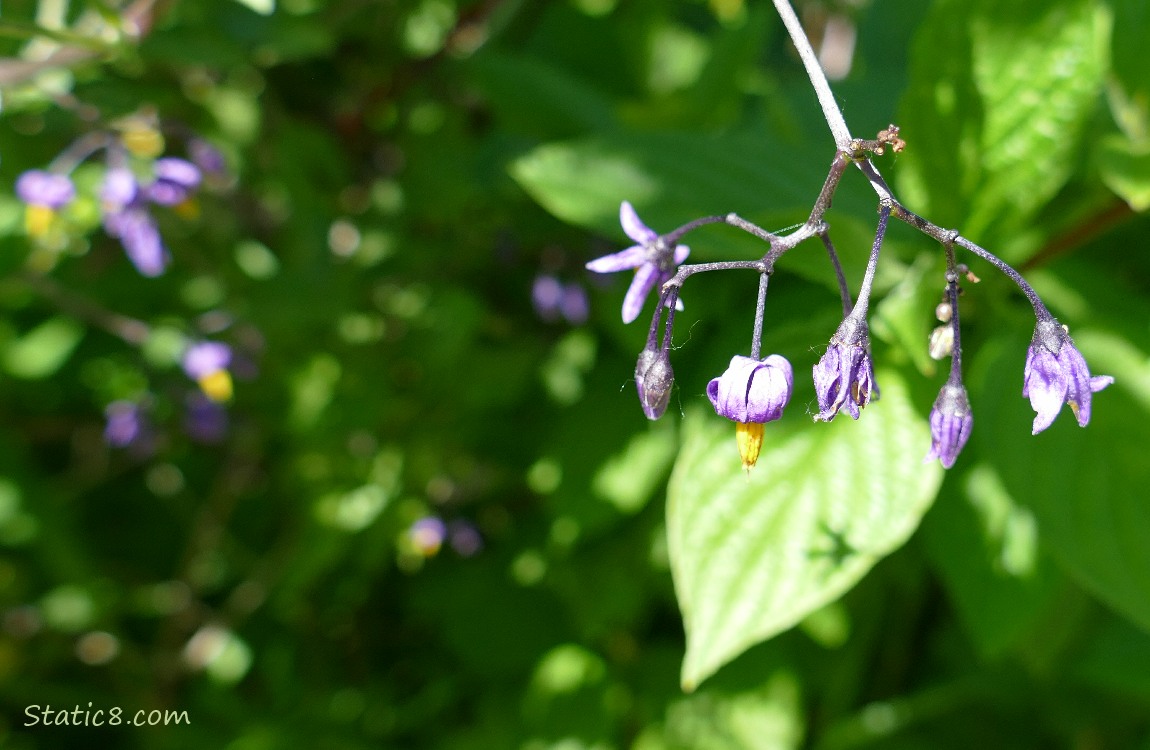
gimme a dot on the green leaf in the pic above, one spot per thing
(752, 554)
(43, 350)
(1125, 168)
(985, 546)
(671, 178)
(1002, 113)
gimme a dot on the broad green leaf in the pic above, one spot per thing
(671, 178)
(43, 350)
(752, 554)
(995, 124)
(987, 550)
(1086, 487)
(1125, 168)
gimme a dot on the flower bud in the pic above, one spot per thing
(654, 379)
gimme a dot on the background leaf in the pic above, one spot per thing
(753, 554)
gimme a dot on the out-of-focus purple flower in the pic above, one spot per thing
(207, 157)
(136, 230)
(206, 362)
(205, 420)
(427, 535)
(124, 425)
(844, 376)
(118, 190)
(950, 424)
(546, 294)
(751, 390)
(465, 539)
(654, 379)
(176, 180)
(552, 299)
(1056, 374)
(653, 260)
(574, 305)
(39, 188)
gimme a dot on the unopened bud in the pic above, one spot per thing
(654, 379)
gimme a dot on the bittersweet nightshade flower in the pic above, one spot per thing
(654, 379)
(752, 392)
(124, 424)
(39, 188)
(44, 193)
(653, 260)
(950, 423)
(553, 299)
(1056, 374)
(427, 535)
(175, 181)
(207, 363)
(126, 218)
(844, 376)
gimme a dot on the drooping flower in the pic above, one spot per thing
(207, 157)
(1056, 374)
(45, 193)
(207, 363)
(554, 299)
(652, 258)
(950, 423)
(752, 392)
(654, 379)
(126, 218)
(465, 539)
(844, 376)
(126, 426)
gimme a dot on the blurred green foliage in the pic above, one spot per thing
(402, 172)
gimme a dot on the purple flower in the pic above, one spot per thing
(654, 379)
(844, 377)
(207, 157)
(427, 535)
(127, 219)
(465, 538)
(118, 190)
(1056, 374)
(950, 424)
(207, 363)
(138, 233)
(176, 180)
(124, 425)
(552, 298)
(652, 258)
(205, 420)
(39, 188)
(205, 358)
(752, 390)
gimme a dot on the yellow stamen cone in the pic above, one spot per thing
(217, 385)
(187, 209)
(749, 437)
(38, 220)
(143, 141)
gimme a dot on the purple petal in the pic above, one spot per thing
(40, 188)
(141, 240)
(119, 189)
(645, 278)
(681, 253)
(635, 229)
(624, 260)
(206, 357)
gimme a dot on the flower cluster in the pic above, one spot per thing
(136, 179)
(754, 390)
